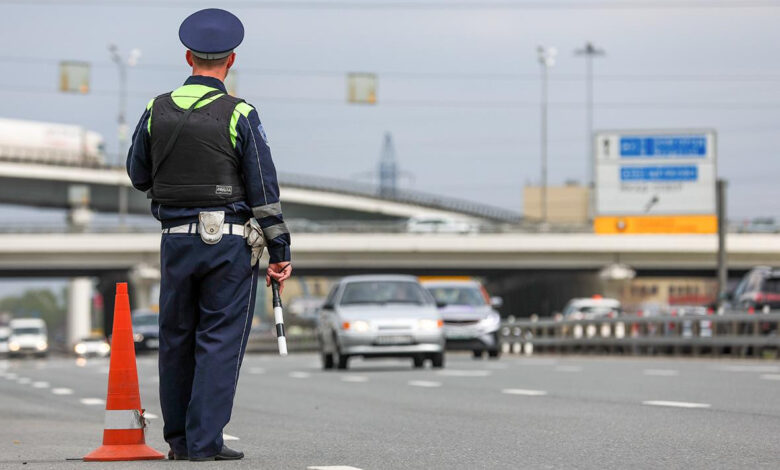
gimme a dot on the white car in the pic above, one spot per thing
(591, 308)
(380, 316)
(28, 336)
(95, 346)
(439, 225)
(5, 332)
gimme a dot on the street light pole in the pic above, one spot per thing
(122, 65)
(546, 56)
(590, 51)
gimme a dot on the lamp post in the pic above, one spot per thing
(589, 51)
(122, 65)
(546, 56)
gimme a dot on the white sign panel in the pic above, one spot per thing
(655, 172)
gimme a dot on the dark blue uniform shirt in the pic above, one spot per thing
(258, 170)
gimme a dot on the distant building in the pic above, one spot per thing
(565, 204)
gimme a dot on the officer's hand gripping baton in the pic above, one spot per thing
(278, 318)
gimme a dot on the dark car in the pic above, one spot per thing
(759, 290)
(146, 331)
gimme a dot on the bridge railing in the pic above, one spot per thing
(734, 333)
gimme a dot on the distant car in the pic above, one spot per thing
(95, 346)
(705, 326)
(5, 332)
(591, 308)
(380, 316)
(28, 336)
(759, 290)
(146, 331)
(439, 225)
(470, 322)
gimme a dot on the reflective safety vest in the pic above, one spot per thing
(202, 168)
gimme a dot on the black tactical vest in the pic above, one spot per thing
(202, 169)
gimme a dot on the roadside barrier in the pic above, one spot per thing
(123, 433)
(735, 333)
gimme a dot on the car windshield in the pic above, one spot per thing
(590, 310)
(145, 320)
(383, 292)
(27, 331)
(772, 285)
(458, 295)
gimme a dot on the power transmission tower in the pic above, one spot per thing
(388, 168)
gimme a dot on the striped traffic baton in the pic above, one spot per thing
(279, 318)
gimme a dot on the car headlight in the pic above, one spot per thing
(13, 346)
(359, 326)
(138, 337)
(41, 345)
(80, 348)
(492, 321)
(105, 348)
(428, 324)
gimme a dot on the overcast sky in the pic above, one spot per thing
(458, 86)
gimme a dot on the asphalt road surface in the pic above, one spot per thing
(516, 412)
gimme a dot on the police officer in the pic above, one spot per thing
(203, 158)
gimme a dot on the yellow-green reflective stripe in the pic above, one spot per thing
(242, 109)
(149, 121)
(184, 96)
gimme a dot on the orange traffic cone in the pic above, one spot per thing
(123, 434)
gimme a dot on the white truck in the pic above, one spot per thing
(28, 336)
(50, 143)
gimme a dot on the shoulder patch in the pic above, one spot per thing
(262, 133)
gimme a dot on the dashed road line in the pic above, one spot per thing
(770, 376)
(299, 375)
(40, 384)
(464, 373)
(524, 392)
(424, 383)
(747, 368)
(676, 404)
(568, 369)
(11, 376)
(228, 437)
(354, 378)
(257, 370)
(62, 391)
(23, 380)
(661, 372)
(92, 401)
(333, 467)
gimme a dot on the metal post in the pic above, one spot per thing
(543, 144)
(590, 51)
(720, 194)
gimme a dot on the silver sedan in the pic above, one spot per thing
(380, 316)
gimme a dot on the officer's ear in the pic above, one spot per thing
(231, 59)
(188, 56)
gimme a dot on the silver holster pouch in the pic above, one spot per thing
(255, 239)
(210, 226)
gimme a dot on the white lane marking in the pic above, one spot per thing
(92, 401)
(11, 376)
(676, 404)
(228, 437)
(524, 392)
(568, 369)
(333, 467)
(354, 378)
(150, 415)
(40, 384)
(661, 372)
(62, 391)
(299, 375)
(424, 383)
(257, 370)
(496, 366)
(23, 380)
(464, 373)
(770, 376)
(747, 368)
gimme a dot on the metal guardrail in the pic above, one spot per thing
(736, 334)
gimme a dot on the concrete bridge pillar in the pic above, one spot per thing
(79, 324)
(143, 278)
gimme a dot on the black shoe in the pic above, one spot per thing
(174, 456)
(225, 454)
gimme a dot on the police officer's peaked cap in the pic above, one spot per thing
(211, 33)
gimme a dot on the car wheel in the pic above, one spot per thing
(419, 362)
(477, 354)
(437, 360)
(494, 353)
(342, 362)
